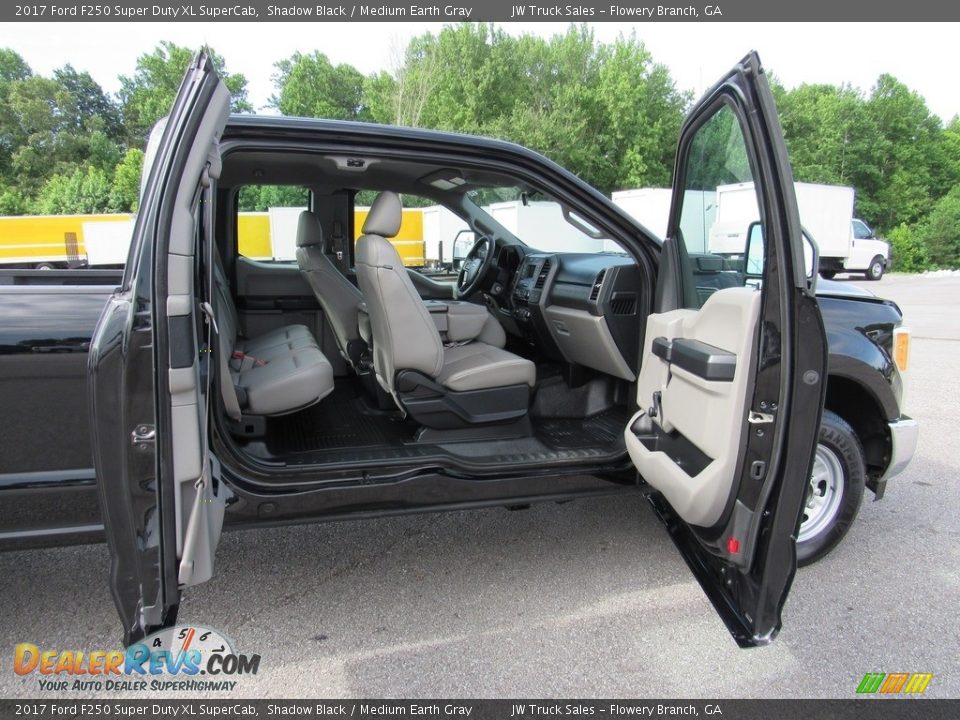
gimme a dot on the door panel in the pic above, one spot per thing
(730, 388)
(161, 515)
(692, 409)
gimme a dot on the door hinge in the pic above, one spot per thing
(143, 435)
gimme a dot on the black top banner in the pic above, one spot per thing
(484, 10)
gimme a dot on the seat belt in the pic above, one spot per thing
(227, 390)
(197, 554)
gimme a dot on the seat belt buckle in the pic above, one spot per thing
(243, 358)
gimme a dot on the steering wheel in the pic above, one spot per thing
(475, 266)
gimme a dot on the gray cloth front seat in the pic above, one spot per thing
(404, 335)
(338, 297)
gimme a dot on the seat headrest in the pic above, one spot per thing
(309, 231)
(385, 215)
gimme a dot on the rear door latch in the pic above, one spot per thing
(143, 435)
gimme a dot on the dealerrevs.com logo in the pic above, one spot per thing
(182, 658)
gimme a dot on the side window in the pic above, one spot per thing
(267, 217)
(860, 231)
(719, 204)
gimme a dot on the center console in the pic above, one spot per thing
(528, 289)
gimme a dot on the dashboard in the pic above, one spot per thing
(585, 309)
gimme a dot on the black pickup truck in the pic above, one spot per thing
(221, 390)
(47, 478)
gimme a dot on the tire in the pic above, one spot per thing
(835, 491)
(828, 274)
(875, 271)
(44, 266)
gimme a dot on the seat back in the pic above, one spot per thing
(404, 335)
(338, 297)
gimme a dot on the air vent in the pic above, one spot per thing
(597, 284)
(542, 277)
(624, 305)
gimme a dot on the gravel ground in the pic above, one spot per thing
(583, 599)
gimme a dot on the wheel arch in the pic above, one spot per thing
(860, 408)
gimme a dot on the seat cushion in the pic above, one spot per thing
(287, 338)
(286, 383)
(298, 335)
(478, 366)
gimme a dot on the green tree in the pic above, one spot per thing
(607, 112)
(51, 135)
(311, 86)
(641, 111)
(260, 198)
(12, 200)
(147, 94)
(940, 232)
(13, 68)
(829, 133)
(85, 190)
(908, 151)
(908, 251)
(125, 187)
(91, 108)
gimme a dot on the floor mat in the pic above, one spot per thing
(339, 421)
(601, 430)
(342, 428)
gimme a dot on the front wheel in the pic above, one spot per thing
(828, 274)
(875, 271)
(836, 489)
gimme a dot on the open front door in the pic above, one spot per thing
(732, 381)
(161, 506)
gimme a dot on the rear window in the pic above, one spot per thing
(267, 217)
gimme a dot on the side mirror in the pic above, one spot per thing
(462, 243)
(754, 253)
(811, 262)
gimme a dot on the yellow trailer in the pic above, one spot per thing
(253, 233)
(47, 241)
(409, 240)
(58, 241)
(256, 237)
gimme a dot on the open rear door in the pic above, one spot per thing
(161, 506)
(732, 381)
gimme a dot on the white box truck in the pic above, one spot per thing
(648, 206)
(446, 237)
(846, 243)
(826, 212)
(544, 222)
(107, 243)
(651, 207)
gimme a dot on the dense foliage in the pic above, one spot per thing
(607, 111)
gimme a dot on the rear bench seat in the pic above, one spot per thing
(275, 373)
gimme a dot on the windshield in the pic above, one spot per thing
(539, 221)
